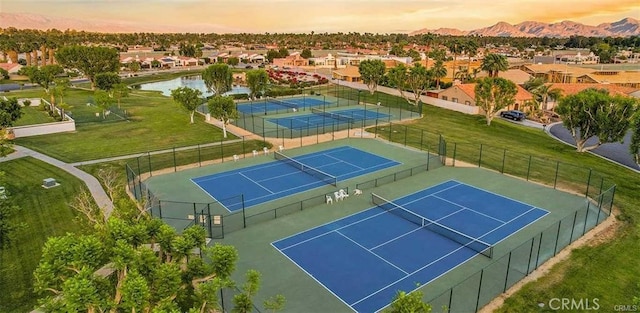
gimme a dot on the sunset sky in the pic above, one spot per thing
(376, 16)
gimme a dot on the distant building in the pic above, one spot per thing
(465, 93)
(349, 74)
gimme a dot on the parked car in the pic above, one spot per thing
(249, 67)
(513, 115)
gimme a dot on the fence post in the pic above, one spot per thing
(175, 166)
(244, 216)
(480, 157)
(376, 133)
(539, 246)
(479, 290)
(199, 157)
(530, 255)
(555, 248)
(506, 278)
(586, 194)
(406, 128)
(390, 126)
(504, 156)
(160, 208)
(243, 148)
(221, 151)
(455, 149)
(421, 138)
(149, 162)
(555, 181)
(573, 225)
(195, 215)
(140, 179)
(529, 167)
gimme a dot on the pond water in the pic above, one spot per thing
(194, 82)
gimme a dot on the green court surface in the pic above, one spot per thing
(513, 258)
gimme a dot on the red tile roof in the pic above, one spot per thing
(574, 88)
(521, 95)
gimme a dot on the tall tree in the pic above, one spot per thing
(189, 99)
(223, 109)
(89, 60)
(306, 53)
(233, 61)
(543, 93)
(218, 78)
(493, 95)
(427, 40)
(418, 81)
(455, 47)
(104, 101)
(371, 72)
(397, 77)
(106, 81)
(44, 76)
(257, 81)
(494, 63)
(594, 112)
(120, 90)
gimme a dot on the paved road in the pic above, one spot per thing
(615, 151)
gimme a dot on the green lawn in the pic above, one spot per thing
(611, 271)
(46, 213)
(32, 116)
(155, 122)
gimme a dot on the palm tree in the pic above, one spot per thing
(494, 63)
(427, 39)
(471, 48)
(438, 72)
(455, 47)
(543, 93)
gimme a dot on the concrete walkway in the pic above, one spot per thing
(98, 194)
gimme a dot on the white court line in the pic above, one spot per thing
(469, 209)
(255, 182)
(343, 161)
(379, 257)
(412, 273)
(312, 277)
(497, 194)
(212, 197)
(521, 228)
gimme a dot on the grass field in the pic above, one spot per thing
(46, 213)
(32, 116)
(155, 122)
(591, 270)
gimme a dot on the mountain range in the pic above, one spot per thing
(622, 28)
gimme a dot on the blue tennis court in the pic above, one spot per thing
(307, 121)
(365, 258)
(269, 105)
(273, 180)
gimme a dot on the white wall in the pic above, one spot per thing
(449, 105)
(68, 125)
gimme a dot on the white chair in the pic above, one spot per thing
(266, 150)
(328, 200)
(343, 194)
(235, 158)
(255, 153)
(280, 148)
(337, 195)
(357, 192)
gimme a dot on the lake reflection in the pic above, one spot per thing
(194, 82)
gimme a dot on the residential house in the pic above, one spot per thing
(465, 93)
(12, 68)
(620, 78)
(294, 60)
(349, 74)
(578, 58)
(328, 61)
(186, 61)
(556, 73)
(572, 89)
(256, 58)
(517, 76)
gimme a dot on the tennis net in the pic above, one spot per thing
(467, 241)
(286, 104)
(329, 179)
(332, 115)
